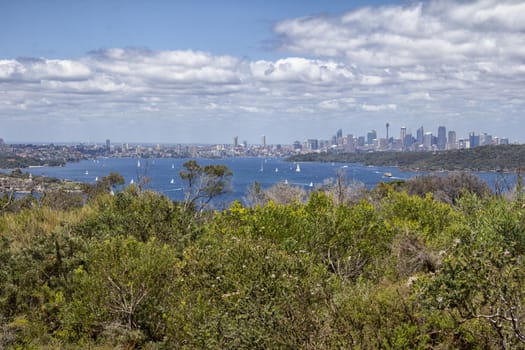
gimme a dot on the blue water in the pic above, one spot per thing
(163, 173)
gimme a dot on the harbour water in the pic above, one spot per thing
(163, 173)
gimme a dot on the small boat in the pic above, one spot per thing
(298, 168)
(138, 163)
(172, 181)
(387, 174)
(86, 173)
(96, 178)
(286, 181)
(311, 184)
(276, 170)
(131, 182)
(262, 167)
(173, 166)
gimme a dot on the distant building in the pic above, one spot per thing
(263, 140)
(403, 134)
(473, 140)
(313, 144)
(108, 145)
(452, 142)
(339, 137)
(420, 134)
(442, 138)
(427, 140)
(409, 141)
(485, 139)
(370, 137)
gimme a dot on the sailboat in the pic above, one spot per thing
(311, 184)
(286, 181)
(86, 173)
(173, 166)
(172, 181)
(138, 163)
(276, 170)
(262, 167)
(298, 168)
(131, 182)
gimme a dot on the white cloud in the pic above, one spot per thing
(40, 69)
(437, 61)
(421, 33)
(378, 108)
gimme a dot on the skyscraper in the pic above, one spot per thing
(402, 136)
(473, 139)
(442, 138)
(263, 140)
(108, 145)
(420, 134)
(339, 135)
(370, 137)
(427, 140)
(452, 140)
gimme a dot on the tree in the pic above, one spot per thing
(121, 292)
(204, 183)
(105, 185)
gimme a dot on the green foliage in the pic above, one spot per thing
(121, 292)
(204, 183)
(141, 214)
(247, 293)
(448, 188)
(384, 269)
(485, 158)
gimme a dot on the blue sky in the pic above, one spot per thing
(206, 71)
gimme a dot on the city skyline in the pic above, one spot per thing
(205, 71)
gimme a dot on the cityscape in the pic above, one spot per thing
(402, 140)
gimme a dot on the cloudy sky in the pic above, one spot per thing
(206, 71)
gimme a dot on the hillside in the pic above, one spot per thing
(485, 158)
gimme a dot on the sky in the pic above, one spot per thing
(205, 71)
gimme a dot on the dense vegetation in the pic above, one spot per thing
(14, 161)
(396, 267)
(485, 158)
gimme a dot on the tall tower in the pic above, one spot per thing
(403, 136)
(236, 141)
(263, 140)
(420, 135)
(451, 139)
(442, 138)
(387, 126)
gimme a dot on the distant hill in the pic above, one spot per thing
(14, 161)
(485, 158)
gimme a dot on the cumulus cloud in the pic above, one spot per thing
(438, 61)
(447, 32)
(34, 70)
(377, 108)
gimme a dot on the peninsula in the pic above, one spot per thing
(501, 158)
